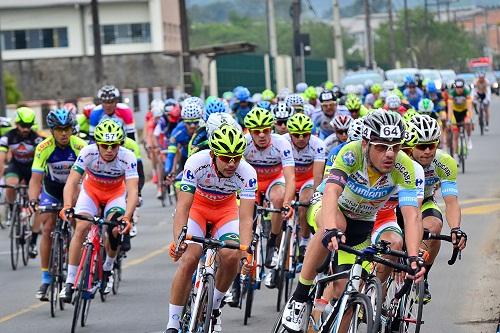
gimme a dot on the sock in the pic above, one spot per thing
(46, 277)
(218, 297)
(301, 293)
(174, 316)
(108, 264)
(427, 269)
(272, 239)
(34, 237)
(72, 269)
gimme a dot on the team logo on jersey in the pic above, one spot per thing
(320, 149)
(189, 175)
(252, 182)
(286, 153)
(349, 158)
(418, 182)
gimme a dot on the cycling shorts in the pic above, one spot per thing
(460, 117)
(303, 185)
(385, 227)
(264, 186)
(52, 194)
(223, 218)
(89, 201)
(430, 208)
(19, 171)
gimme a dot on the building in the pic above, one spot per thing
(484, 22)
(48, 45)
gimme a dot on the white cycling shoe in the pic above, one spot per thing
(293, 316)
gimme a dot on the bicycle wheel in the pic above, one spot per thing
(82, 286)
(411, 307)
(481, 118)
(373, 289)
(15, 235)
(88, 296)
(202, 314)
(461, 152)
(282, 271)
(25, 241)
(249, 300)
(117, 274)
(96, 274)
(450, 141)
(357, 316)
(54, 271)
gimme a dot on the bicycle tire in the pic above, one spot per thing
(88, 300)
(82, 286)
(248, 301)
(54, 271)
(15, 231)
(282, 271)
(373, 289)
(408, 301)
(102, 253)
(117, 274)
(203, 315)
(481, 118)
(462, 153)
(25, 240)
(450, 141)
(77, 301)
(355, 302)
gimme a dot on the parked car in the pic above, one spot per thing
(432, 75)
(494, 80)
(356, 78)
(398, 75)
(447, 75)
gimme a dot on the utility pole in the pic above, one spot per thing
(271, 29)
(392, 37)
(296, 41)
(368, 35)
(426, 25)
(339, 47)
(3, 102)
(96, 30)
(186, 58)
(407, 32)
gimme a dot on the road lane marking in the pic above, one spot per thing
(469, 201)
(481, 210)
(130, 263)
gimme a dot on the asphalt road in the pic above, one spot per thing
(466, 297)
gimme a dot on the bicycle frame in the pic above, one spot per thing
(92, 243)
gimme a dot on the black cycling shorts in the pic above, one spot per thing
(22, 171)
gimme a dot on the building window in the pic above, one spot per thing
(34, 38)
(125, 33)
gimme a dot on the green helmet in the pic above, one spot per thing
(299, 123)
(425, 105)
(353, 102)
(227, 140)
(259, 118)
(376, 88)
(310, 93)
(329, 85)
(25, 115)
(108, 131)
(267, 95)
(409, 114)
(410, 137)
(210, 99)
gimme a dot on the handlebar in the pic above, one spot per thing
(16, 187)
(295, 204)
(430, 236)
(52, 208)
(208, 242)
(97, 220)
(263, 210)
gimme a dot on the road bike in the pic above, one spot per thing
(58, 262)
(90, 276)
(462, 146)
(480, 106)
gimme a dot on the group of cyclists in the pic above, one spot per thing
(366, 160)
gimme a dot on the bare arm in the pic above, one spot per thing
(246, 221)
(453, 213)
(3, 157)
(71, 188)
(289, 173)
(330, 205)
(318, 168)
(132, 185)
(184, 202)
(413, 229)
(35, 185)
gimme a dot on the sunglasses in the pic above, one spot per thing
(25, 125)
(300, 135)
(257, 131)
(107, 146)
(63, 129)
(281, 122)
(342, 132)
(192, 123)
(385, 147)
(354, 110)
(229, 159)
(430, 145)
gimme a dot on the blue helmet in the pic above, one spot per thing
(242, 94)
(265, 105)
(409, 80)
(60, 118)
(214, 106)
(431, 87)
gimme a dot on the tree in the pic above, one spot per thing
(12, 94)
(436, 45)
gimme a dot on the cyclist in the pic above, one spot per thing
(21, 141)
(460, 110)
(272, 157)
(296, 101)
(355, 107)
(52, 163)
(440, 172)
(309, 153)
(300, 87)
(426, 106)
(312, 97)
(393, 103)
(83, 120)
(109, 95)
(242, 105)
(329, 106)
(111, 180)
(5, 126)
(365, 175)
(341, 124)
(282, 112)
(482, 94)
(268, 96)
(412, 93)
(373, 96)
(337, 92)
(210, 181)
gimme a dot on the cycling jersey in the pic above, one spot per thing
(241, 112)
(370, 99)
(413, 98)
(322, 123)
(83, 123)
(133, 147)
(21, 148)
(180, 136)
(360, 200)
(199, 141)
(442, 171)
(56, 162)
(459, 102)
(331, 157)
(122, 112)
(163, 127)
(269, 162)
(305, 158)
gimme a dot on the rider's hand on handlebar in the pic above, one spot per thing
(246, 266)
(176, 255)
(287, 211)
(67, 213)
(169, 179)
(32, 206)
(331, 239)
(127, 227)
(417, 264)
(458, 238)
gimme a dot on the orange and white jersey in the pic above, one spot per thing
(269, 162)
(305, 158)
(201, 178)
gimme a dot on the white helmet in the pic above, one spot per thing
(360, 89)
(157, 107)
(294, 99)
(193, 99)
(350, 89)
(301, 87)
(191, 111)
(388, 85)
(341, 122)
(216, 120)
(393, 101)
(256, 98)
(282, 110)
(427, 128)
(354, 133)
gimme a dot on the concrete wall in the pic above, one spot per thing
(70, 78)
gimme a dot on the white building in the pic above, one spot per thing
(36, 29)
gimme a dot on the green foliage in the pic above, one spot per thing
(12, 94)
(437, 45)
